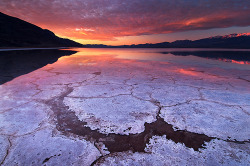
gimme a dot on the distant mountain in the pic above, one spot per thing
(232, 35)
(241, 41)
(15, 32)
(228, 41)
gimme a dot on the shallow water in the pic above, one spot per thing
(194, 57)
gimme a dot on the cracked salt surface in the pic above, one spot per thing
(44, 148)
(166, 152)
(91, 108)
(4, 144)
(13, 121)
(121, 114)
(212, 119)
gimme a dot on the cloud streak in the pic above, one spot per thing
(108, 19)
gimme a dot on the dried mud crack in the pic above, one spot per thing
(7, 152)
(68, 122)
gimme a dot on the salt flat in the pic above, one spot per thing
(99, 108)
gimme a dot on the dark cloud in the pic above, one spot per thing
(106, 19)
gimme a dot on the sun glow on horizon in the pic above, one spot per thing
(156, 38)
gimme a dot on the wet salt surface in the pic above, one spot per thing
(124, 106)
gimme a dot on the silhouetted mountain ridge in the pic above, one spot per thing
(238, 41)
(15, 32)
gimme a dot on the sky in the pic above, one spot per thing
(118, 22)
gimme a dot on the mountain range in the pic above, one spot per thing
(15, 33)
(237, 41)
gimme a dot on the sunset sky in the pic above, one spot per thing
(117, 22)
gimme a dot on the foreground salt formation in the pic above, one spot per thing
(161, 151)
(74, 110)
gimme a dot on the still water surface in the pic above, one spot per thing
(19, 62)
(223, 58)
